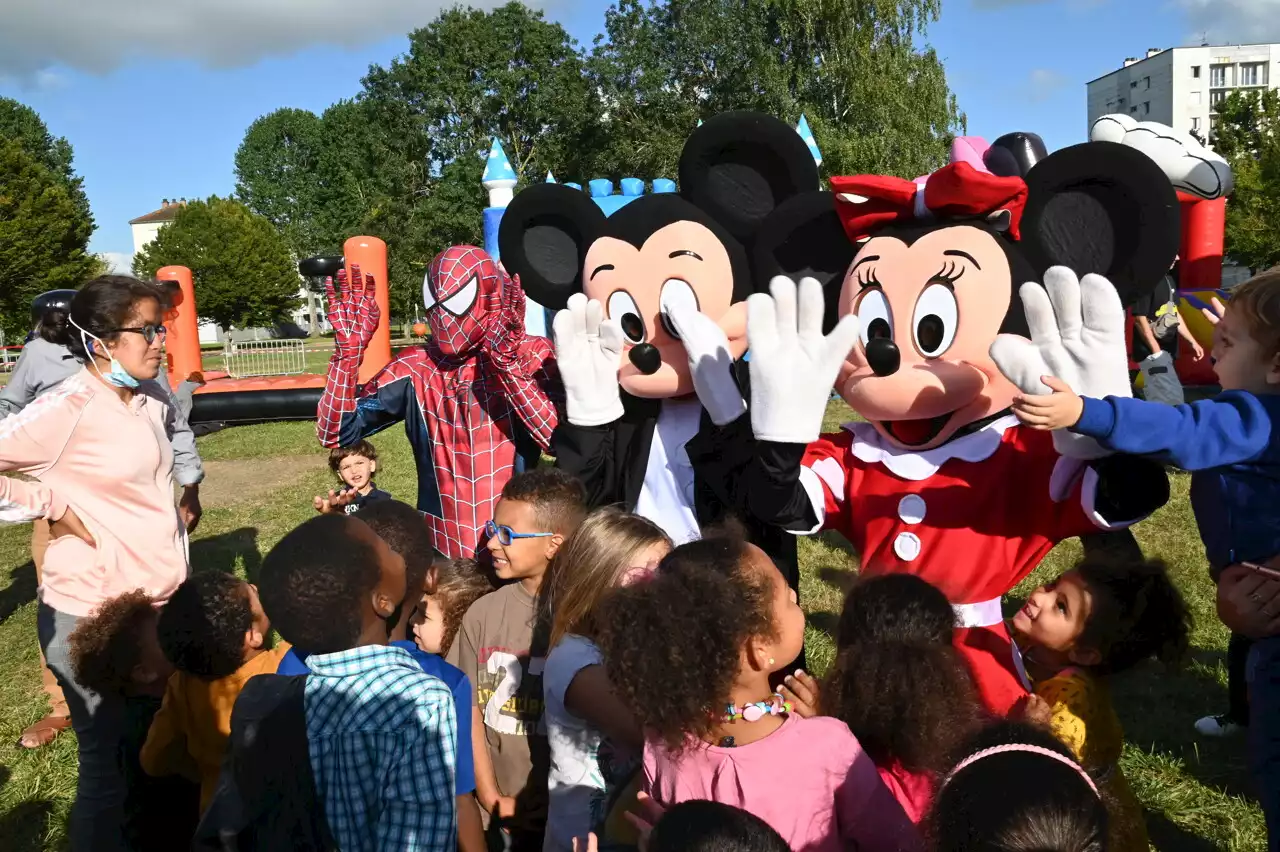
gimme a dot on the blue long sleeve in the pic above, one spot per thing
(1232, 427)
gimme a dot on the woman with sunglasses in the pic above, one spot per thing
(98, 453)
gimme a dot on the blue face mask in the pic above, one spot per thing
(118, 377)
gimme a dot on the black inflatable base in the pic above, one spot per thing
(259, 406)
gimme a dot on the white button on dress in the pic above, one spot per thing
(911, 509)
(907, 546)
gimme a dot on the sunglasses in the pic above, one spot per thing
(505, 535)
(149, 332)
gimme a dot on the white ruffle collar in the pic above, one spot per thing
(871, 447)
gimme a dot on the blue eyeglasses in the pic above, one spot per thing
(505, 535)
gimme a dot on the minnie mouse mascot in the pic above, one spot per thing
(941, 481)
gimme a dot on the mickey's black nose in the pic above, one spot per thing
(883, 356)
(646, 358)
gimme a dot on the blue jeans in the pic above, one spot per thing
(1264, 731)
(99, 723)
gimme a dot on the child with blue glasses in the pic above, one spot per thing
(503, 654)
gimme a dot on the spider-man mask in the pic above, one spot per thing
(462, 292)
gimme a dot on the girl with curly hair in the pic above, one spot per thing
(898, 683)
(1098, 619)
(691, 651)
(593, 735)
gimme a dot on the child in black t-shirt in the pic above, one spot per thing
(355, 466)
(1157, 326)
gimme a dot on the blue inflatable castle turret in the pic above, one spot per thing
(500, 180)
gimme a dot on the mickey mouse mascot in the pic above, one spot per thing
(653, 320)
(941, 481)
(476, 398)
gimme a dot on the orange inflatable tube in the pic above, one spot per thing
(370, 254)
(182, 343)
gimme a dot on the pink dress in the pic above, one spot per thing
(809, 779)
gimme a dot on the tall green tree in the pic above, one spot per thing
(1247, 133)
(875, 102)
(244, 272)
(21, 124)
(276, 174)
(43, 236)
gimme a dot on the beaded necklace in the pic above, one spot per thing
(776, 705)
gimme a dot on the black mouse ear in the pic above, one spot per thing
(544, 236)
(1104, 208)
(740, 166)
(803, 238)
(1014, 154)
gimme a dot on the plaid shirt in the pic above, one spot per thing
(382, 743)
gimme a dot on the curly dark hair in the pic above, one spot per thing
(673, 644)
(1137, 613)
(558, 498)
(405, 531)
(312, 582)
(103, 304)
(105, 648)
(201, 629)
(1016, 801)
(702, 826)
(897, 681)
(459, 584)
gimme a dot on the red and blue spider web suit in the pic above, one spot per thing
(475, 398)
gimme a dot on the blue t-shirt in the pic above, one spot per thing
(294, 662)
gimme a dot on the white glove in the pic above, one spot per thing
(588, 354)
(793, 366)
(1077, 335)
(1189, 165)
(710, 364)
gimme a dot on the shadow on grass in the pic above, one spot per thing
(1168, 837)
(20, 591)
(223, 552)
(26, 825)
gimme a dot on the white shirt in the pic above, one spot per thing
(666, 498)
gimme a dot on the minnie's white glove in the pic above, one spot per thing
(793, 366)
(588, 354)
(1077, 335)
(710, 364)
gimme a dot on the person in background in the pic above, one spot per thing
(97, 451)
(116, 652)
(355, 466)
(43, 364)
(1157, 329)
(502, 648)
(214, 632)
(438, 618)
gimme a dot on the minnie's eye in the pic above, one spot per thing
(677, 296)
(934, 323)
(874, 317)
(460, 302)
(623, 309)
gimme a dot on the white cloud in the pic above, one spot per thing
(98, 36)
(1042, 84)
(119, 263)
(1232, 21)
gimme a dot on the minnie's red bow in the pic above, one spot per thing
(866, 203)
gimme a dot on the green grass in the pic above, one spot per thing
(1195, 790)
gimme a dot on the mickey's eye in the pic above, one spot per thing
(874, 317)
(935, 320)
(460, 302)
(623, 309)
(677, 297)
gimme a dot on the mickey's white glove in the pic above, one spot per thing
(1077, 335)
(710, 364)
(793, 366)
(588, 354)
(1189, 165)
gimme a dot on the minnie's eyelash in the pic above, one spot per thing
(867, 277)
(950, 273)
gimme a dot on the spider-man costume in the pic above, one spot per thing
(475, 398)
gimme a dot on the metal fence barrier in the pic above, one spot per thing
(249, 358)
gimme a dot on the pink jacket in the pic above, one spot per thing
(113, 464)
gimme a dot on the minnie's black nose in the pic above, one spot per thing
(883, 356)
(646, 358)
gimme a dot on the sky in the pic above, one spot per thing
(155, 95)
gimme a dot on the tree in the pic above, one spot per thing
(874, 102)
(43, 236)
(1247, 133)
(276, 174)
(244, 273)
(22, 124)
